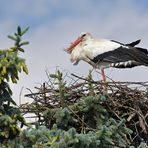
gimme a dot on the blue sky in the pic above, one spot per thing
(54, 24)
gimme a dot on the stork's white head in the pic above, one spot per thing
(84, 36)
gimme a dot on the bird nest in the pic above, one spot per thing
(128, 100)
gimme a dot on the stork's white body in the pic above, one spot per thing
(91, 48)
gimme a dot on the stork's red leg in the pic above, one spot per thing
(103, 75)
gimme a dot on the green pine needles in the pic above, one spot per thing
(10, 65)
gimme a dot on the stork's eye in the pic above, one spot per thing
(83, 35)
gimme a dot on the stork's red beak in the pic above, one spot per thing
(75, 43)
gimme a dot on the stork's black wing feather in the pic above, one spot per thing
(132, 44)
(128, 64)
(142, 50)
(123, 54)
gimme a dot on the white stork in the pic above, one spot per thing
(104, 53)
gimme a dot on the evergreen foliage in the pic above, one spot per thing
(10, 65)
